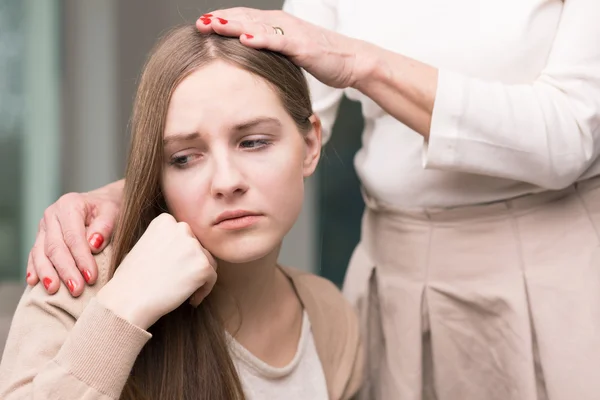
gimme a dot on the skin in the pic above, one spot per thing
(403, 87)
(246, 156)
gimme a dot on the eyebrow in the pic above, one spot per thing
(267, 121)
(244, 126)
(180, 137)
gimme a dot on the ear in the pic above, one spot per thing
(312, 146)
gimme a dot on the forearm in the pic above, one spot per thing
(405, 88)
(70, 347)
(114, 190)
(544, 132)
(96, 358)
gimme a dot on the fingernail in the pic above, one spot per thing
(248, 36)
(206, 21)
(87, 275)
(96, 240)
(223, 21)
(28, 275)
(206, 15)
(71, 285)
(47, 283)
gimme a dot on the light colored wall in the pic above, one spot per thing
(90, 141)
(40, 130)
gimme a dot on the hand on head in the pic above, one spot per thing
(334, 59)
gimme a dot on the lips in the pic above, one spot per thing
(235, 215)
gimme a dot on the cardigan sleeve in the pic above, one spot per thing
(60, 347)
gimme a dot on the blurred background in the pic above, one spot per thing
(68, 73)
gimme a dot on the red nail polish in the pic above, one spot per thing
(28, 275)
(248, 36)
(223, 21)
(96, 240)
(206, 21)
(71, 285)
(47, 283)
(206, 15)
(87, 275)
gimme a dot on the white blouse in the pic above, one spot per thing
(517, 108)
(303, 378)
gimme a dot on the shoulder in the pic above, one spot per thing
(40, 300)
(103, 262)
(313, 288)
(336, 331)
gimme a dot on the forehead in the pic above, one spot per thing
(220, 94)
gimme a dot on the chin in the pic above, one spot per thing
(244, 249)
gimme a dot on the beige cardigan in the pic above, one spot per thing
(60, 347)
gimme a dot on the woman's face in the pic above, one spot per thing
(235, 162)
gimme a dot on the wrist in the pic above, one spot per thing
(367, 64)
(113, 190)
(124, 308)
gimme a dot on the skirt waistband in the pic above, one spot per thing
(517, 205)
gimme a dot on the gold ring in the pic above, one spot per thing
(277, 30)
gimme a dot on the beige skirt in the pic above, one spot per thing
(492, 302)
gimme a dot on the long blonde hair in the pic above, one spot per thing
(187, 357)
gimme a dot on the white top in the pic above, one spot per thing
(303, 378)
(518, 100)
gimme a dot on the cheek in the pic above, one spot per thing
(183, 192)
(282, 184)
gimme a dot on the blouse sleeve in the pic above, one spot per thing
(546, 133)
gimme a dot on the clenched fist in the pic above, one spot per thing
(165, 268)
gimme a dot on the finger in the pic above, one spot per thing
(229, 13)
(100, 230)
(71, 219)
(205, 289)
(244, 19)
(32, 278)
(245, 13)
(204, 25)
(208, 25)
(287, 46)
(209, 257)
(187, 229)
(42, 266)
(232, 27)
(258, 36)
(61, 258)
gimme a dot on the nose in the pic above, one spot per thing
(228, 180)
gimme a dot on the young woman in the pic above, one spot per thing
(223, 137)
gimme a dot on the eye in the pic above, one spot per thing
(254, 144)
(181, 161)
